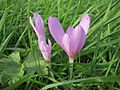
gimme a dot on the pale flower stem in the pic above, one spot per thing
(71, 61)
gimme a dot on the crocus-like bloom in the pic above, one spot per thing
(73, 40)
(39, 29)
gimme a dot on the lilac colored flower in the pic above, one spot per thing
(39, 29)
(73, 40)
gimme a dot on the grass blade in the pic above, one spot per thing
(93, 79)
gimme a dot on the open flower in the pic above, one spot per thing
(73, 40)
(39, 29)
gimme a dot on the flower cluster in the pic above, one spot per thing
(72, 41)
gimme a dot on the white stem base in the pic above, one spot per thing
(71, 60)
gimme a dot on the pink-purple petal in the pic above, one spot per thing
(66, 43)
(76, 36)
(49, 43)
(39, 25)
(82, 38)
(45, 50)
(74, 39)
(85, 23)
(36, 31)
(69, 31)
(56, 30)
(41, 38)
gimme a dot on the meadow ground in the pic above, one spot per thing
(96, 67)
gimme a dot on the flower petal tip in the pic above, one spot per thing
(49, 43)
(85, 23)
(36, 14)
(86, 16)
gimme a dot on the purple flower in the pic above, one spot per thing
(73, 40)
(39, 29)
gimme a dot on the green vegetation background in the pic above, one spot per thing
(96, 67)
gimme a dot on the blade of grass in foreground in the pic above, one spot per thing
(93, 79)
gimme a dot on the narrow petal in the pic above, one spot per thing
(49, 43)
(41, 38)
(56, 30)
(39, 25)
(66, 43)
(82, 38)
(85, 23)
(45, 50)
(77, 40)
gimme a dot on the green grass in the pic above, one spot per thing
(97, 64)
